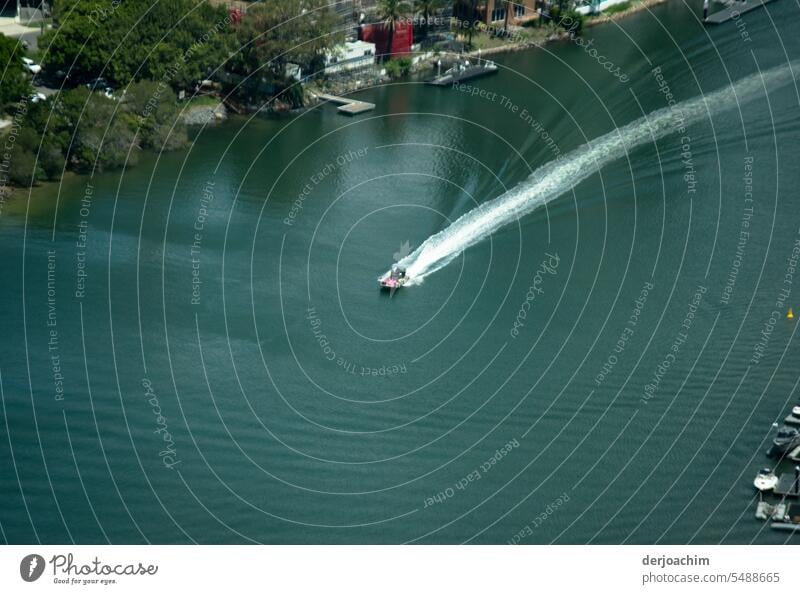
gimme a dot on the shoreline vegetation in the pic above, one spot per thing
(161, 88)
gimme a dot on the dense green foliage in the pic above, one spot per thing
(398, 67)
(13, 79)
(274, 34)
(80, 130)
(178, 41)
(147, 50)
(569, 20)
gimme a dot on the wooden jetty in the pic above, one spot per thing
(347, 106)
(733, 11)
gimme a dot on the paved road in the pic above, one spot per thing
(10, 28)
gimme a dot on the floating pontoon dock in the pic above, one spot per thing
(457, 75)
(788, 485)
(348, 106)
(733, 11)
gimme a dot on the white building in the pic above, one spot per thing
(350, 55)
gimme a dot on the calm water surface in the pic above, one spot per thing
(231, 374)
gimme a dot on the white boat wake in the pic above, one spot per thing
(557, 177)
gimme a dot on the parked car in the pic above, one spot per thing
(97, 84)
(100, 85)
(31, 66)
(36, 97)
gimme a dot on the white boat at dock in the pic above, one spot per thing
(765, 480)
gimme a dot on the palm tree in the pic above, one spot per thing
(392, 12)
(426, 8)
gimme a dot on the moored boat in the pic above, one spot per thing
(765, 480)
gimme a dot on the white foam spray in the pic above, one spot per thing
(557, 177)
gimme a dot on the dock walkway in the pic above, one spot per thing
(733, 11)
(787, 486)
(348, 106)
(459, 75)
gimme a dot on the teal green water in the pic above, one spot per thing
(231, 289)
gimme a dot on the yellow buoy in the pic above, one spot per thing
(790, 314)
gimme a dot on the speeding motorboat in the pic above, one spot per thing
(765, 480)
(395, 279)
(786, 439)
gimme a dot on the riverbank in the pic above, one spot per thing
(485, 45)
(528, 37)
(210, 110)
(205, 112)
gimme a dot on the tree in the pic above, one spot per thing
(391, 12)
(154, 111)
(426, 8)
(22, 168)
(80, 47)
(179, 41)
(398, 68)
(282, 31)
(14, 83)
(466, 13)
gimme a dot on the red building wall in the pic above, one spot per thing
(379, 35)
